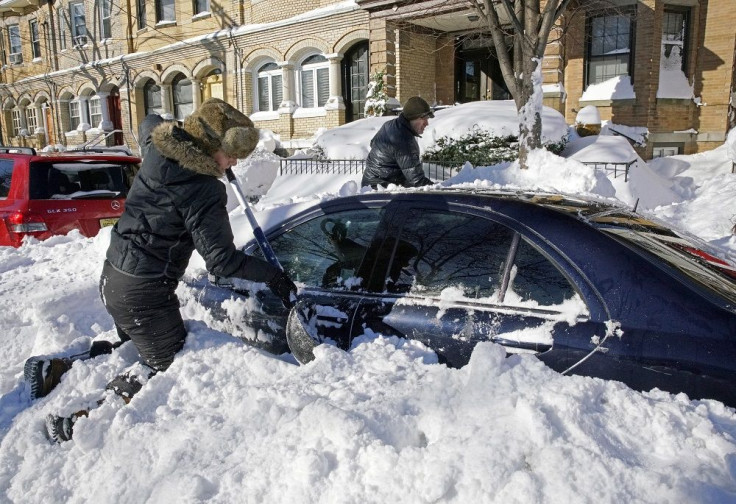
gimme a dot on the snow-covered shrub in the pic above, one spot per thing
(480, 148)
(376, 101)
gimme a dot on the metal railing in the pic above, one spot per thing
(617, 168)
(436, 170)
(439, 170)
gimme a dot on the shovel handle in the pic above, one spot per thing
(260, 237)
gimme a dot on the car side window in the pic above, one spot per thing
(6, 173)
(437, 250)
(327, 251)
(476, 256)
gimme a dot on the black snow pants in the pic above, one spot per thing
(145, 310)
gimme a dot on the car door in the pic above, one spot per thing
(451, 278)
(328, 254)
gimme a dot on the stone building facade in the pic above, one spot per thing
(77, 70)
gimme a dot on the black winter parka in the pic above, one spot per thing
(178, 204)
(394, 157)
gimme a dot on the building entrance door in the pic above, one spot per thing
(478, 73)
(355, 81)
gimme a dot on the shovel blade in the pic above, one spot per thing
(301, 336)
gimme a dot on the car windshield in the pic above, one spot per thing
(80, 179)
(707, 270)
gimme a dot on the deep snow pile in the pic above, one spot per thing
(382, 423)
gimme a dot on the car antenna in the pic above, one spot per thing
(636, 205)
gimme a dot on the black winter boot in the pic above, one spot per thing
(43, 374)
(59, 429)
(125, 386)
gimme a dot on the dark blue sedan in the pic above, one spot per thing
(590, 288)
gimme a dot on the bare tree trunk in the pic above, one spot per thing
(529, 27)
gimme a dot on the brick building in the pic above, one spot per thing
(74, 70)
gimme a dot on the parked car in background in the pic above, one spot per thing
(46, 194)
(590, 288)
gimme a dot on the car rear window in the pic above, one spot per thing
(6, 173)
(80, 179)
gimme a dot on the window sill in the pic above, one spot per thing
(675, 101)
(264, 116)
(166, 23)
(309, 112)
(608, 103)
(202, 15)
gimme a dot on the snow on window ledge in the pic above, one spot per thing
(617, 88)
(264, 116)
(309, 112)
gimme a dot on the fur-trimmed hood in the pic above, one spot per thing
(175, 143)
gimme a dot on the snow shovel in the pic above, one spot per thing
(297, 326)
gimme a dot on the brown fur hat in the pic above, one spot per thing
(217, 125)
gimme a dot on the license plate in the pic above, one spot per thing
(108, 222)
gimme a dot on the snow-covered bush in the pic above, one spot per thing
(376, 102)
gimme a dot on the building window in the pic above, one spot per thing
(31, 120)
(61, 14)
(182, 93)
(95, 111)
(165, 11)
(152, 98)
(79, 24)
(270, 90)
(105, 7)
(201, 6)
(17, 121)
(610, 42)
(73, 115)
(315, 81)
(141, 14)
(663, 150)
(16, 51)
(674, 38)
(35, 39)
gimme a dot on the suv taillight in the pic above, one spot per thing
(26, 223)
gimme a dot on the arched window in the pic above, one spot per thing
(182, 93)
(269, 87)
(152, 98)
(315, 81)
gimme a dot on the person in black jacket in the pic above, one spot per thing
(394, 155)
(177, 204)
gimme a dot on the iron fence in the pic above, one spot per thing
(436, 170)
(617, 168)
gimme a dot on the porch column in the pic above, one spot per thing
(105, 123)
(288, 104)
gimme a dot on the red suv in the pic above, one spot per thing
(46, 194)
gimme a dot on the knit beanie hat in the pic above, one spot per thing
(415, 108)
(217, 125)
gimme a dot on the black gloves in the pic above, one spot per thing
(284, 288)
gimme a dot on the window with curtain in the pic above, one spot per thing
(610, 47)
(35, 38)
(315, 81)
(16, 50)
(270, 89)
(152, 98)
(74, 117)
(200, 6)
(141, 15)
(183, 98)
(95, 111)
(165, 10)
(79, 23)
(105, 8)
(61, 16)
